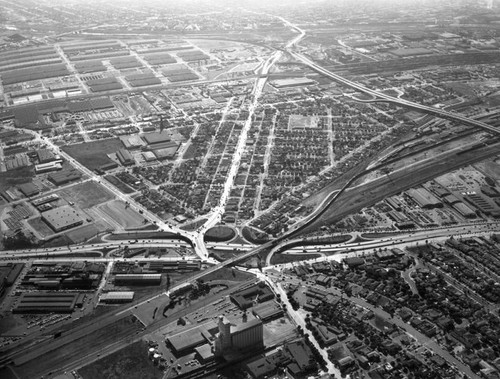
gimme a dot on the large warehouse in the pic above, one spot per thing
(62, 218)
(46, 302)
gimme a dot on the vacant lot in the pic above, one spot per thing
(94, 154)
(126, 217)
(86, 195)
(130, 362)
(82, 234)
(41, 227)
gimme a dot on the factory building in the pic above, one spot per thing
(424, 198)
(233, 338)
(125, 157)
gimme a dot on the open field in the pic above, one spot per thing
(117, 211)
(40, 227)
(94, 154)
(83, 233)
(129, 362)
(219, 233)
(86, 195)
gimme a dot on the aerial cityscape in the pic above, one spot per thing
(232, 189)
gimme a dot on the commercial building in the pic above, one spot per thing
(137, 279)
(62, 218)
(117, 297)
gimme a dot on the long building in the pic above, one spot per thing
(125, 157)
(137, 279)
(46, 302)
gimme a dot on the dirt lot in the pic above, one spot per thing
(86, 195)
(94, 154)
(125, 216)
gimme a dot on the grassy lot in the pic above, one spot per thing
(130, 362)
(86, 195)
(94, 154)
(41, 227)
(60, 240)
(15, 177)
(126, 217)
(219, 233)
(287, 258)
(83, 233)
(119, 184)
(194, 225)
(254, 236)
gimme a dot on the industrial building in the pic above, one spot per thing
(47, 167)
(156, 137)
(115, 297)
(424, 198)
(292, 82)
(62, 218)
(235, 338)
(46, 302)
(125, 157)
(137, 279)
(46, 156)
(28, 189)
(267, 311)
(188, 340)
(64, 177)
(245, 298)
